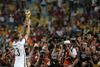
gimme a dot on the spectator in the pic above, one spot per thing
(54, 22)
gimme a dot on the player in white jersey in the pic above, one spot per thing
(18, 45)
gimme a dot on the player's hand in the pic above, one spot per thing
(29, 22)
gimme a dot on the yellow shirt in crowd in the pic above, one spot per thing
(96, 29)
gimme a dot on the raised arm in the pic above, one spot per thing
(60, 52)
(28, 29)
(94, 65)
(71, 54)
(28, 14)
(22, 30)
(31, 53)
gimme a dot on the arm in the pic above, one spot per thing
(92, 63)
(71, 54)
(30, 55)
(28, 30)
(46, 50)
(22, 30)
(75, 62)
(53, 52)
(37, 63)
(54, 49)
(59, 55)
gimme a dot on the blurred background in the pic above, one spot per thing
(55, 19)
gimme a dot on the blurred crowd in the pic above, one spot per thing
(64, 33)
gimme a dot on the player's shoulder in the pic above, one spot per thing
(23, 40)
(13, 42)
(16, 42)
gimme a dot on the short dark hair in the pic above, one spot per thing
(15, 36)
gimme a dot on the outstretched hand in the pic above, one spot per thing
(29, 22)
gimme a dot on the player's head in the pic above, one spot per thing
(17, 36)
(20, 36)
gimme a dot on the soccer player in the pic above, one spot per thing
(18, 45)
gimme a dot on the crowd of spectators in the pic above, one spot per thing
(64, 33)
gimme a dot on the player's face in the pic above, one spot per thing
(20, 36)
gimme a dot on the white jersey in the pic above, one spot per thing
(20, 55)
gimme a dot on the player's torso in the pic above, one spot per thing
(19, 51)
